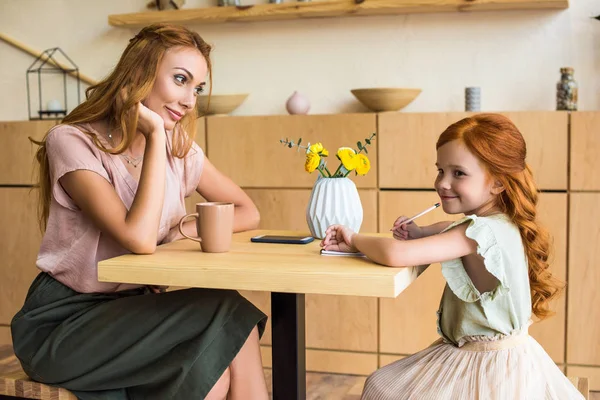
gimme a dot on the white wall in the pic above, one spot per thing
(514, 56)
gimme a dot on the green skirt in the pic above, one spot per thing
(132, 344)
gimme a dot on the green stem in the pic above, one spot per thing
(337, 170)
(328, 173)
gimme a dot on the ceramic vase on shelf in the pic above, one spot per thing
(297, 104)
(566, 90)
(333, 201)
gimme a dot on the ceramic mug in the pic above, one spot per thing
(214, 226)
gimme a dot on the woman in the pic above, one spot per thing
(113, 178)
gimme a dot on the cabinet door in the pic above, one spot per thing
(550, 333)
(546, 134)
(17, 166)
(247, 149)
(18, 248)
(583, 324)
(407, 151)
(408, 322)
(585, 147)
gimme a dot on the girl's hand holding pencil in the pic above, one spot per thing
(405, 229)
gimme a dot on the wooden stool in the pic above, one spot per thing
(582, 385)
(15, 384)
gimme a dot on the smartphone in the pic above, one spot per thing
(282, 239)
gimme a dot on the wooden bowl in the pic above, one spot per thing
(219, 103)
(385, 99)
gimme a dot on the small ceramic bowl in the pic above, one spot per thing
(385, 99)
(219, 103)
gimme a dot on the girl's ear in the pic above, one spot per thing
(497, 187)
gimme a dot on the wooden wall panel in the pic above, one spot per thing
(262, 300)
(341, 322)
(408, 322)
(337, 362)
(583, 325)
(17, 153)
(585, 147)
(19, 246)
(201, 134)
(592, 373)
(247, 149)
(385, 359)
(414, 137)
(332, 322)
(550, 333)
(5, 335)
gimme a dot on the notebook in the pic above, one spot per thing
(340, 253)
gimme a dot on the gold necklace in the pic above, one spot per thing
(135, 161)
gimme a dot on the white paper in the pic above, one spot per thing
(340, 253)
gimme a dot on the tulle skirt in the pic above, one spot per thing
(509, 368)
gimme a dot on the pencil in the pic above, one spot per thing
(433, 207)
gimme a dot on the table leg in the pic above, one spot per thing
(289, 346)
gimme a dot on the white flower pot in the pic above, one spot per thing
(333, 201)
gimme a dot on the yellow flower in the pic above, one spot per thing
(318, 148)
(363, 165)
(348, 157)
(312, 162)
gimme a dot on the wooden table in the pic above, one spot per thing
(287, 271)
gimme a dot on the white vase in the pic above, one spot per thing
(333, 201)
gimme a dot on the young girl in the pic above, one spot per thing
(495, 262)
(113, 178)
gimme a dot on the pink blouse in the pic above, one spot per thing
(72, 245)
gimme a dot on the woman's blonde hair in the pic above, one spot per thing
(497, 142)
(117, 95)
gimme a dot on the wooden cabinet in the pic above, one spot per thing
(354, 334)
(585, 147)
(583, 324)
(550, 333)
(5, 335)
(17, 166)
(592, 373)
(19, 246)
(247, 149)
(407, 153)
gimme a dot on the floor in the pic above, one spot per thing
(320, 386)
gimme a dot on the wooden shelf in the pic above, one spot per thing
(321, 9)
